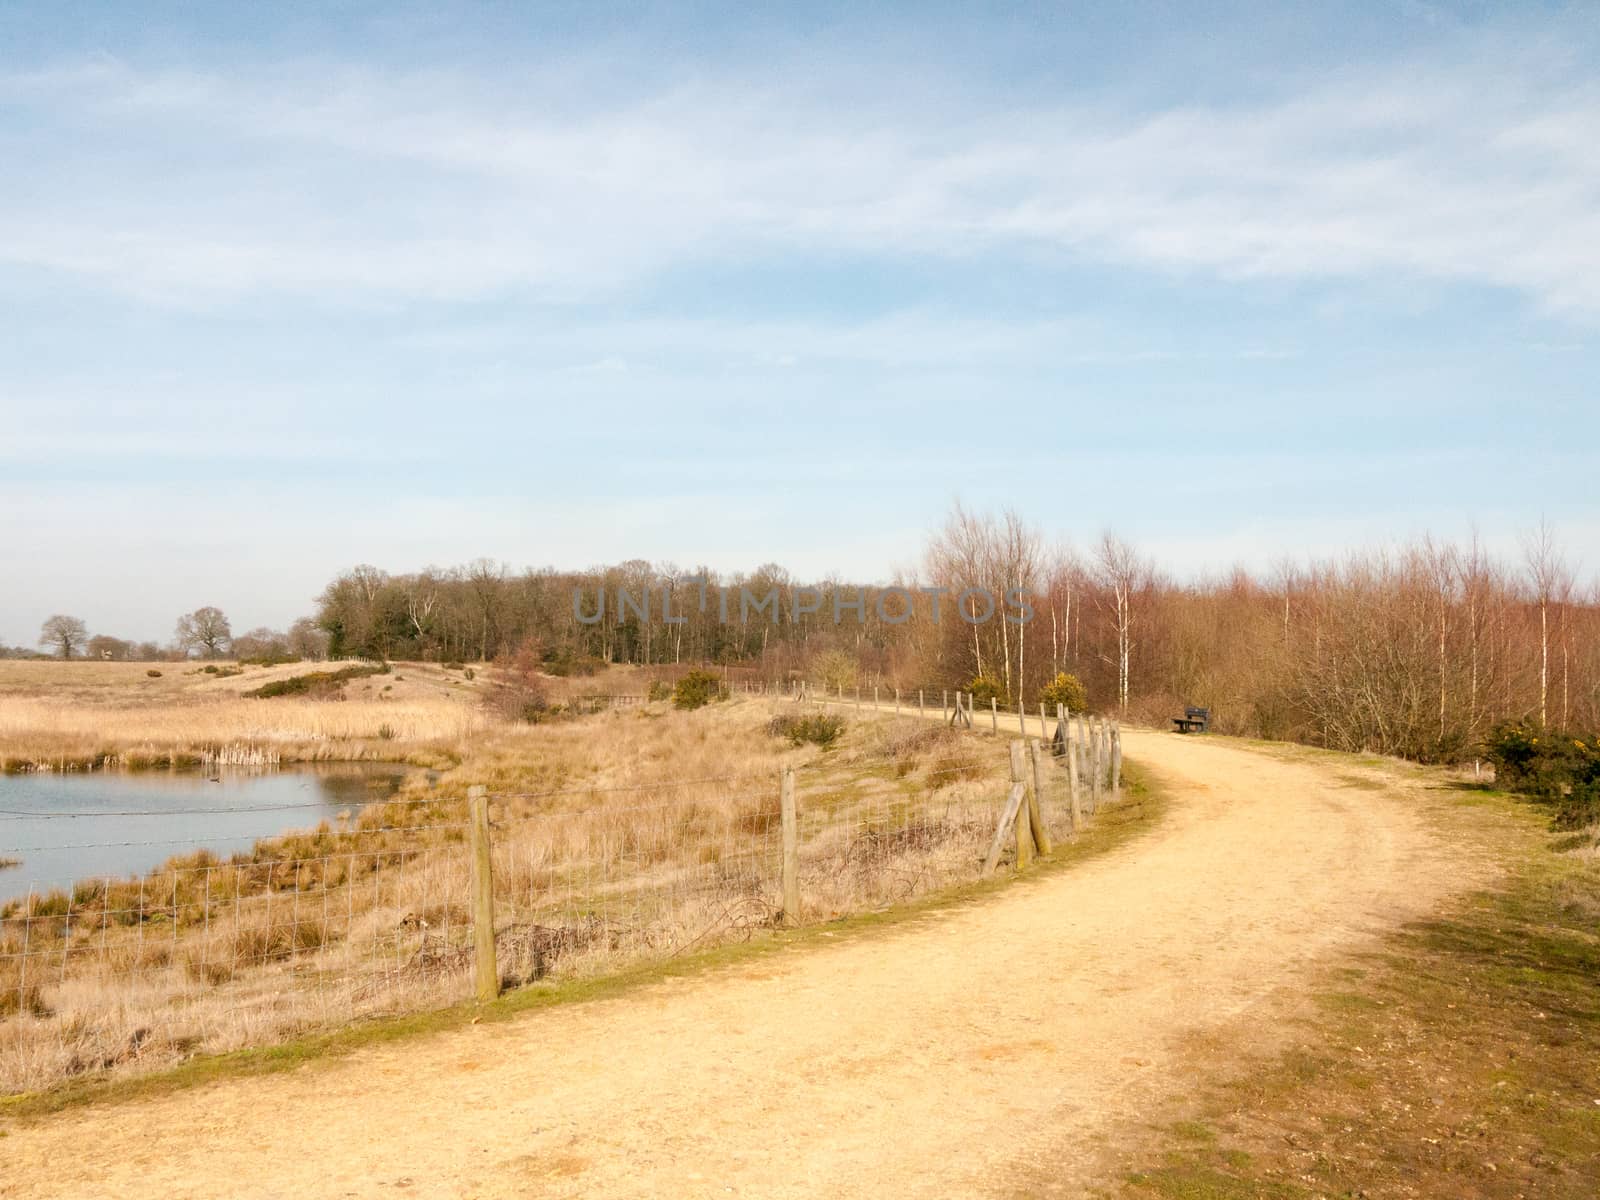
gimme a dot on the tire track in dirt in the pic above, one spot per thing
(944, 1057)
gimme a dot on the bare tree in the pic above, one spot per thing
(1017, 569)
(1125, 574)
(307, 639)
(486, 581)
(957, 558)
(422, 597)
(109, 649)
(1552, 585)
(66, 634)
(261, 642)
(206, 628)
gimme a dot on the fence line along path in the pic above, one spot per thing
(889, 1066)
(378, 915)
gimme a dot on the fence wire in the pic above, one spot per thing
(315, 929)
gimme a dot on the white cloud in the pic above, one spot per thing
(357, 187)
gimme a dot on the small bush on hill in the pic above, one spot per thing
(696, 689)
(1558, 769)
(660, 689)
(566, 663)
(1064, 689)
(153, 673)
(817, 728)
(317, 683)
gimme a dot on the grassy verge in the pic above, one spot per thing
(1141, 810)
(1458, 1062)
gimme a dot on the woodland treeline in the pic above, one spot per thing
(1418, 650)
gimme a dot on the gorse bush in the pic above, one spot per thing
(818, 729)
(1066, 690)
(660, 689)
(696, 690)
(1558, 769)
(985, 688)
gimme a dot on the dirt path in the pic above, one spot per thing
(957, 1055)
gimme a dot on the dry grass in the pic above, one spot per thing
(84, 716)
(634, 833)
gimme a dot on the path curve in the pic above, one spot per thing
(954, 1055)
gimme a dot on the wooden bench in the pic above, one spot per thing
(1194, 720)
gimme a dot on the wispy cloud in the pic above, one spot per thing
(905, 339)
(311, 311)
(361, 187)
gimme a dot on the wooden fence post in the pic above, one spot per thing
(1008, 818)
(994, 714)
(1024, 830)
(897, 704)
(1097, 766)
(922, 709)
(1043, 735)
(1116, 759)
(1075, 784)
(1082, 750)
(791, 849)
(1041, 832)
(486, 972)
(1022, 718)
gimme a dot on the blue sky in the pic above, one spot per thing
(287, 288)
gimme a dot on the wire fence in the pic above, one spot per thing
(379, 914)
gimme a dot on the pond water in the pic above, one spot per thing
(79, 826)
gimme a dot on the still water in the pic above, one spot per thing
(77, 826)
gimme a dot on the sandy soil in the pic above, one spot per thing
(975, 1052)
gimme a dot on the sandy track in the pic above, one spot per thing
(956, 1055)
